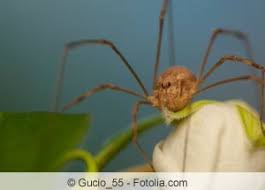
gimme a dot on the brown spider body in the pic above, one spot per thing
(174, 89)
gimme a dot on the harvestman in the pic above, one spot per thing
(174, 88)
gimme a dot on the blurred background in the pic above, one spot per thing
(33, 34)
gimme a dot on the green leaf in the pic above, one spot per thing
(185, 112)
(251, 123)
(35, 141)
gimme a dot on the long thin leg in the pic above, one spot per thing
(234, 59)
(245, 61)
(77, 44)
(135, 111)
(233, 33)
(261, 114)
(171, 39)
(234, 79)
(240, 78)
(99, 89)
(244, 38)
(160, 34)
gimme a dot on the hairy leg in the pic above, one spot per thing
(233, 33)
(244, 61)
(99, 89)
(160, 34)
(77, 44)
(241, 78)
(171, 39)
(234, 59)
(135, 111)
(246, 42)
(261, 100)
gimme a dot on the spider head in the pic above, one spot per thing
(174, 89)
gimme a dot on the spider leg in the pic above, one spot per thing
(261, 108)
(246, 42)
(234, 79)
(234, 33)
(233, 58)
(240, 78)
(77, 44)
(171, 39)
(163, 12)
(99, 89)
(244, 61)
(139, 148)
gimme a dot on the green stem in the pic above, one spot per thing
(86, 157)
(122, 140)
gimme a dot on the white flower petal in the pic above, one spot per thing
(212, 139)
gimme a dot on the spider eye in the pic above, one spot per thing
(166, 85)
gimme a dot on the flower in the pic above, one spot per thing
(221, 137)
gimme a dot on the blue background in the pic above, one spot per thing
(33, 34)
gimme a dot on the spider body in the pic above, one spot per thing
(174, 89)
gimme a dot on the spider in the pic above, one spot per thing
(175, 87)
